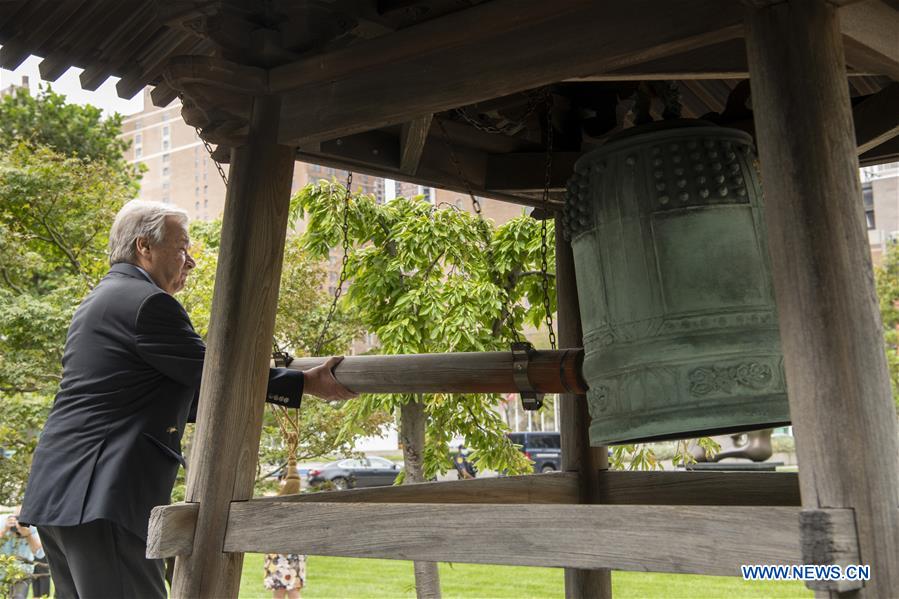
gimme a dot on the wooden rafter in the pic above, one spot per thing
(870, 37)
(877, 118)
(413, 137)
(427, 68)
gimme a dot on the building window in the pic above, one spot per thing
(868, 199)
(197, 206)
(165, 117)
(165, 131)
(166, 171)
(166, 158)
(138, 139)
(165, 145)
(138, 152)
(166, 185)
(137, 124)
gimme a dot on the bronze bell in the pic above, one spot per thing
(680, 326)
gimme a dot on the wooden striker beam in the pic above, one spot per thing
(831, 331)
(462, 372)
(229, 422)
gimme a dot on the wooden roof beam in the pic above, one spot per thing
(869, 37)
(378, 153)
(877, 118)
(78, 37)
(428, 67)
(413, 136)
(34, 34)
(126, 38)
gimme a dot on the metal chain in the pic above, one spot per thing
(214, 161)
(547, 175)
(282, 414)
(482, 224)
(535, 100)
(345, 228)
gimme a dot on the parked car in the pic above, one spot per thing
(544, 448)
(352, 473)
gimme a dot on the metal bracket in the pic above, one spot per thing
(282, 359)
(521, 353)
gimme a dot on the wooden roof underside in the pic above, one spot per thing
(389, 86)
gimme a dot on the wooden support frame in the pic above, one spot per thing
(577, 454)
(876, 118)
(585, 537)
(831, 330)
(229, 421)
(639, 538)
(413, 136)
(171, 530)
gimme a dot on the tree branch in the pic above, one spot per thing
(59, 241)
(9, 282)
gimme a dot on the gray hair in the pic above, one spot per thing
(137, 219)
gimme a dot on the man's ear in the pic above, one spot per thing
(143, 246)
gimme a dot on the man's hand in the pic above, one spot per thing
(320, 382)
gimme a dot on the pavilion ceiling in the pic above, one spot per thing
(424, 90)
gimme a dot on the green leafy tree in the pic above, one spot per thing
(62, 179)
(887, 280)
(74, 130)
(302, 310)
(423, 280)
(431, 280)
(12, 571)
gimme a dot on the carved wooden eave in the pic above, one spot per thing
(364, 83)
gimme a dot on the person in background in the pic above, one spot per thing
(464, 468)
(285, 574)
(22, 542)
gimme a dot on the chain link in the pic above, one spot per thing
(535, 100)
(345, 229)
(218, 166)
(482, 226)
(544, 250)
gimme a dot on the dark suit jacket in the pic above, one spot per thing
(111, 446)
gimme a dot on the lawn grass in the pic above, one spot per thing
(346, 578)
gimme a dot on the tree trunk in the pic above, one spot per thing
(412, 432)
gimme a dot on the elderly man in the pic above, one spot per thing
(110, 449)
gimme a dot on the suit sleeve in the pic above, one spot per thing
(167, 341)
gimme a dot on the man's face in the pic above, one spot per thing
(169, 262)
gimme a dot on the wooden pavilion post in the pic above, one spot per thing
(229, 422)
(830, 325)
(574, 423)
